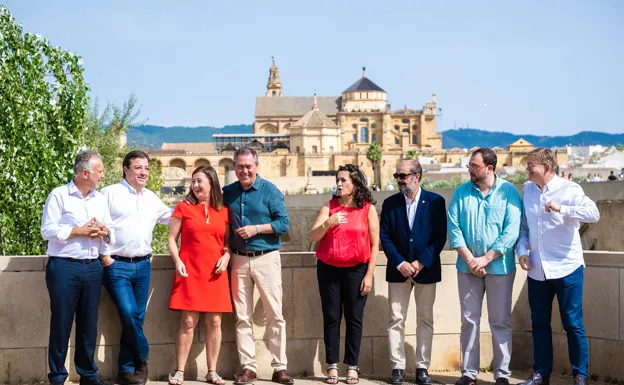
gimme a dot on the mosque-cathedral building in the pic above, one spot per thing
(296, 135)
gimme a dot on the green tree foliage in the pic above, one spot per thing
(43, 105)
(374, 154)
(516, 178)
(104, 131)
(411, 154)
(452, 183)
(103, 134)
(619, 147)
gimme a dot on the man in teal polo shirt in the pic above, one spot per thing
(257, 219)
(483, 227)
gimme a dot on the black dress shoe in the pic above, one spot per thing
(128, 378)
(397, 376)
(502, 381)
(422, 377)
(536, 379)
(465, 380)
(141, 373)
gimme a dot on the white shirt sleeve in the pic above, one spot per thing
(51, 229)
(581, 207)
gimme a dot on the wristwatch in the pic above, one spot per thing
(257, 229)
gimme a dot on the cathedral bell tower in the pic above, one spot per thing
(274, 85)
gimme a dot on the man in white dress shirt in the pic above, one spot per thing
(553, 210)
(74, 222)
(134, 210)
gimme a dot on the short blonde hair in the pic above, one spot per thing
(545, 156)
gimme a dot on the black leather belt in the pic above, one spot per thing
(83, 261)
(131, 259)
(252, 253)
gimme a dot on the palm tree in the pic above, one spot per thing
(411, 154)
(374, 154)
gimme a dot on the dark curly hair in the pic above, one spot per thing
(361, 192)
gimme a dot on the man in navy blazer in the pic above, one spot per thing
(413, 233)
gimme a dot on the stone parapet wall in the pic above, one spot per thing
(24, 323)
(303, 210)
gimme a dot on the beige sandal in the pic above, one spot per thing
(177, 378)
(214, 378)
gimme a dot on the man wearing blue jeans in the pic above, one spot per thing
(135, 211)
(74, 222)
(553, 210)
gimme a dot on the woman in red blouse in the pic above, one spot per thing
(348, 230)
(201, 284)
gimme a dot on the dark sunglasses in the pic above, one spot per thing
(402, 176)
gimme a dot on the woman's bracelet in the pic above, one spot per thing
(323, 226)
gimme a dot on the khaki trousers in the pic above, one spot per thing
(265, 272)
(398, 297)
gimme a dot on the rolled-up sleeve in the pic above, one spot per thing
(51, 228)
(581, 208)
(511, 225)
(279, 216)
(456, 237)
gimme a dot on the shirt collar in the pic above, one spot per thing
(73, 190)
(497, 182)
(255, 185)
(554, 182)
(416, 198)
(132, 190)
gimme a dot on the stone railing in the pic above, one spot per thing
(24, 323)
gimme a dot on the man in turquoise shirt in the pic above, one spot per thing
(483, 226)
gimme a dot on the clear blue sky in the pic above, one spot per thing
(529, 66)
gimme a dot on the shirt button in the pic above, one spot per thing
(242, 204)
(411, 240)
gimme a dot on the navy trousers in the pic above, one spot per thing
(127, 284)
(569, 292)
(74, 287)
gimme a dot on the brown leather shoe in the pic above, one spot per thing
(247, 377)
(282, 377)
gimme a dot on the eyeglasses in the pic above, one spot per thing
(139, 168)
(402, 176)
(474, 166)
(531, 164)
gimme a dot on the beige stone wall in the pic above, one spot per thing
(24, 318)
(607, 233)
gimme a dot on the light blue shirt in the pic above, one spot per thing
(486, 222)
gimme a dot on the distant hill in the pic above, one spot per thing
(471, 137)
(148, 136)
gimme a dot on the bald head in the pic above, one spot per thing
(412, 165)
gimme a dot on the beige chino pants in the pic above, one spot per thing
(265, 272)
(399, 298)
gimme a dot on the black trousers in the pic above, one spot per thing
(340, 291)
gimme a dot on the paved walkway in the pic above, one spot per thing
(446, 378)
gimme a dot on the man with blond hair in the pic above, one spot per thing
(550, 250)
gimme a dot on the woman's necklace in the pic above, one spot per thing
(206, 213)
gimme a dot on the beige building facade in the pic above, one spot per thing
(298, 134)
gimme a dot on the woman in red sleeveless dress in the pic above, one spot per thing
(348, 230)
(201, 284)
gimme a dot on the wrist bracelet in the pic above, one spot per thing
(323, 225)
(257, 229)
